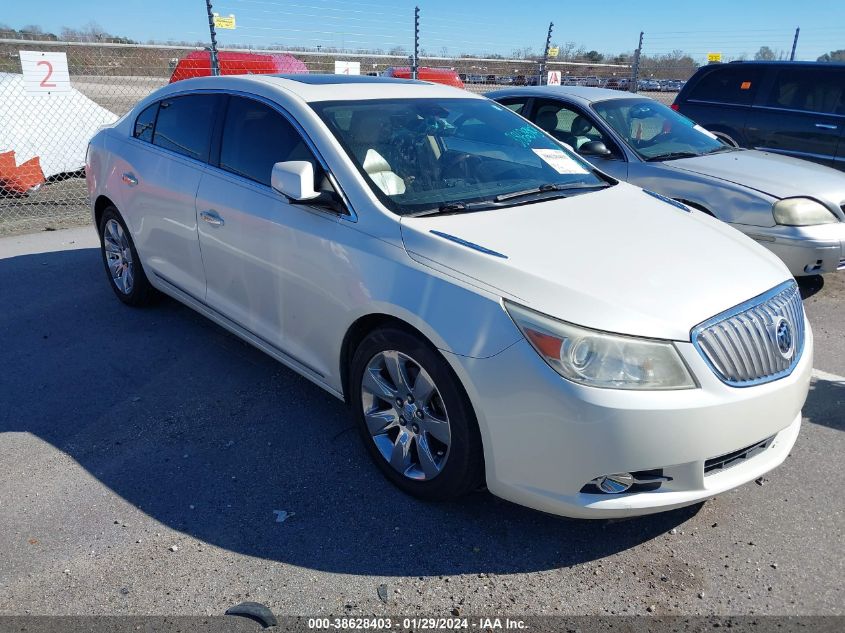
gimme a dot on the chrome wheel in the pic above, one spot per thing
(118, 256)
(405, 415)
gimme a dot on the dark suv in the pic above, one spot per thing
(794, 108)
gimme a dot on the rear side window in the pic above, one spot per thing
(256, 137)
(145, 123)
(184, 125)
(809, 89)
(728, 84)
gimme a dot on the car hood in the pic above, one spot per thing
(772, 174)
(617, 260)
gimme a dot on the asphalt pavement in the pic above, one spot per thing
(151, 463)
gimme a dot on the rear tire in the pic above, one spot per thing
(123, 266)
(414, 416)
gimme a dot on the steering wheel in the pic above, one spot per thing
(463, 166)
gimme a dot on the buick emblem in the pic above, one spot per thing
(784, 338)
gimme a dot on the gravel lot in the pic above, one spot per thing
(146, 455)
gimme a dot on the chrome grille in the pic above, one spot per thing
(742, 345)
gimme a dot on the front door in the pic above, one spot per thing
(266, 260)
(575, 127)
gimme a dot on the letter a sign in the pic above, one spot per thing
(554, 78)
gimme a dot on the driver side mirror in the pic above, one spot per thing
(594, 148)
(294, 179)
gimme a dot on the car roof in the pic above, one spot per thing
(776, 62)
(581, 94)
(324, 87)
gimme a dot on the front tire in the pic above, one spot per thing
(123, 266)
(414, 417)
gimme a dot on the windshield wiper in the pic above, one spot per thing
(450, 208)
(557, 187)
(672, 156)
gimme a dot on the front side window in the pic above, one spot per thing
(145, 123)
(655, 131)
(568, 125)
(419, 154)
(728, 84)
(255, 137)
(184, 124)
(811, 90)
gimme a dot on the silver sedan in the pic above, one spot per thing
(794, 208)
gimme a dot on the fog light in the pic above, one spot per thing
(614, 484)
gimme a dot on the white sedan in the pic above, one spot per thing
(494, 310)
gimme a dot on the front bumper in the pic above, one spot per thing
(806, 250)
(545, 437)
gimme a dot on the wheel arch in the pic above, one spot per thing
(100, 205)
(359, 330)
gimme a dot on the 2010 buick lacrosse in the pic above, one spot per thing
(494, 310)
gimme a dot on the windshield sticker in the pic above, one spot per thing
(524, 135)
(707, 132)
(560, 161)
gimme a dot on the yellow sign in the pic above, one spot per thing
(224, 22)
(714, 57)
(554, 51)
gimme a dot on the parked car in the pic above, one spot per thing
(445, 76)
(792, 108)
(617, 83)
(592, 81)
(794, 208)
(476, 79)
(453, 273)
(649, 85)
(670, 85)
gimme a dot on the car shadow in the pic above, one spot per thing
(826, 403)
(211, 437)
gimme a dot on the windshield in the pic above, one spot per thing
(655, 131)
(422, 154)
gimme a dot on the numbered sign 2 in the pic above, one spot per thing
(44, 73)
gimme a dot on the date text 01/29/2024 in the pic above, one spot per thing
(416, 623)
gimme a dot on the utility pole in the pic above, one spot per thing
(215, 66)
(794, 44)
(541, 80)
(415, 59)
(635, 70)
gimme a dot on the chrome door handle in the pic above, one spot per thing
(129, 178)
(826, 126)
(212, 217)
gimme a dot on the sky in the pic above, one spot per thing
(732, 27)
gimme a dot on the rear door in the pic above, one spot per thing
(163, 166)
(801, 114)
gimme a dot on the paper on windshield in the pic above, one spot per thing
(560, 161)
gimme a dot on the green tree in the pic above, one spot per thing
(765, 54)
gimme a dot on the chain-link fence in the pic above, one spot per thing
(44, 133)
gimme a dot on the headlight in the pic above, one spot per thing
(802, 212)
(599, 359)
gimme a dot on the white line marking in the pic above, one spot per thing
(823, 375)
